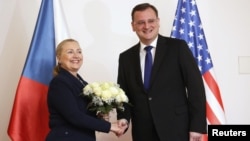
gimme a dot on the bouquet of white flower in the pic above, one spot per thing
(105, 96)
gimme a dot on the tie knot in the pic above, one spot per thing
(148, 48)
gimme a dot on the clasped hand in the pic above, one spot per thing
(119, 127)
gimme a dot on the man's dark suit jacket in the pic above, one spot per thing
(175, 102)
(69, 118)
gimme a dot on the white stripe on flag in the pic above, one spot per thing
(61, 28)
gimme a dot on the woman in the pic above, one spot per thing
(69, 118)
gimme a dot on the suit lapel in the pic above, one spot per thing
(137, 64)
(160, 53)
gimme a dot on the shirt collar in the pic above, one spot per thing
(153, 44)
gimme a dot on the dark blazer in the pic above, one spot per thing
(175, 103)
(69, 119)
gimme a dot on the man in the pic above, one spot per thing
(173, 108)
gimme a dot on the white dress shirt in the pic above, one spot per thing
(143, 54)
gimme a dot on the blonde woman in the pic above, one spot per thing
(69, 118)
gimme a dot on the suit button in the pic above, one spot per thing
(150, 98)
(66, 133)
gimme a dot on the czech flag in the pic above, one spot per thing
(30, 117)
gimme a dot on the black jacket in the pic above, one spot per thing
(69, 119)
(175, 103)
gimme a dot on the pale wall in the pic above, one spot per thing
(103, 36)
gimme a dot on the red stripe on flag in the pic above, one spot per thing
(212, 84)
(211, 117)
(29, 111)
(204, 137)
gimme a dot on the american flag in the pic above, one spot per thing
(187, 25)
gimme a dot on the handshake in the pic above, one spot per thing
(119, 127)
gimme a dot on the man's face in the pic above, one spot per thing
(146, 25)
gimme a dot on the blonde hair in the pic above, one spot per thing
(59, 49)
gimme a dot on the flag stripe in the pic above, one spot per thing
(215, 106)
(211, 116)
(61, 27)
(213, 87)
(41, 56)
(204, 137)
(30, 114)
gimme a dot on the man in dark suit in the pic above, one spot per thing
(173, 108)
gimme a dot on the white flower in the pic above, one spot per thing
(105, 96)
(114, 91)
(87, 90)
(121, 97)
